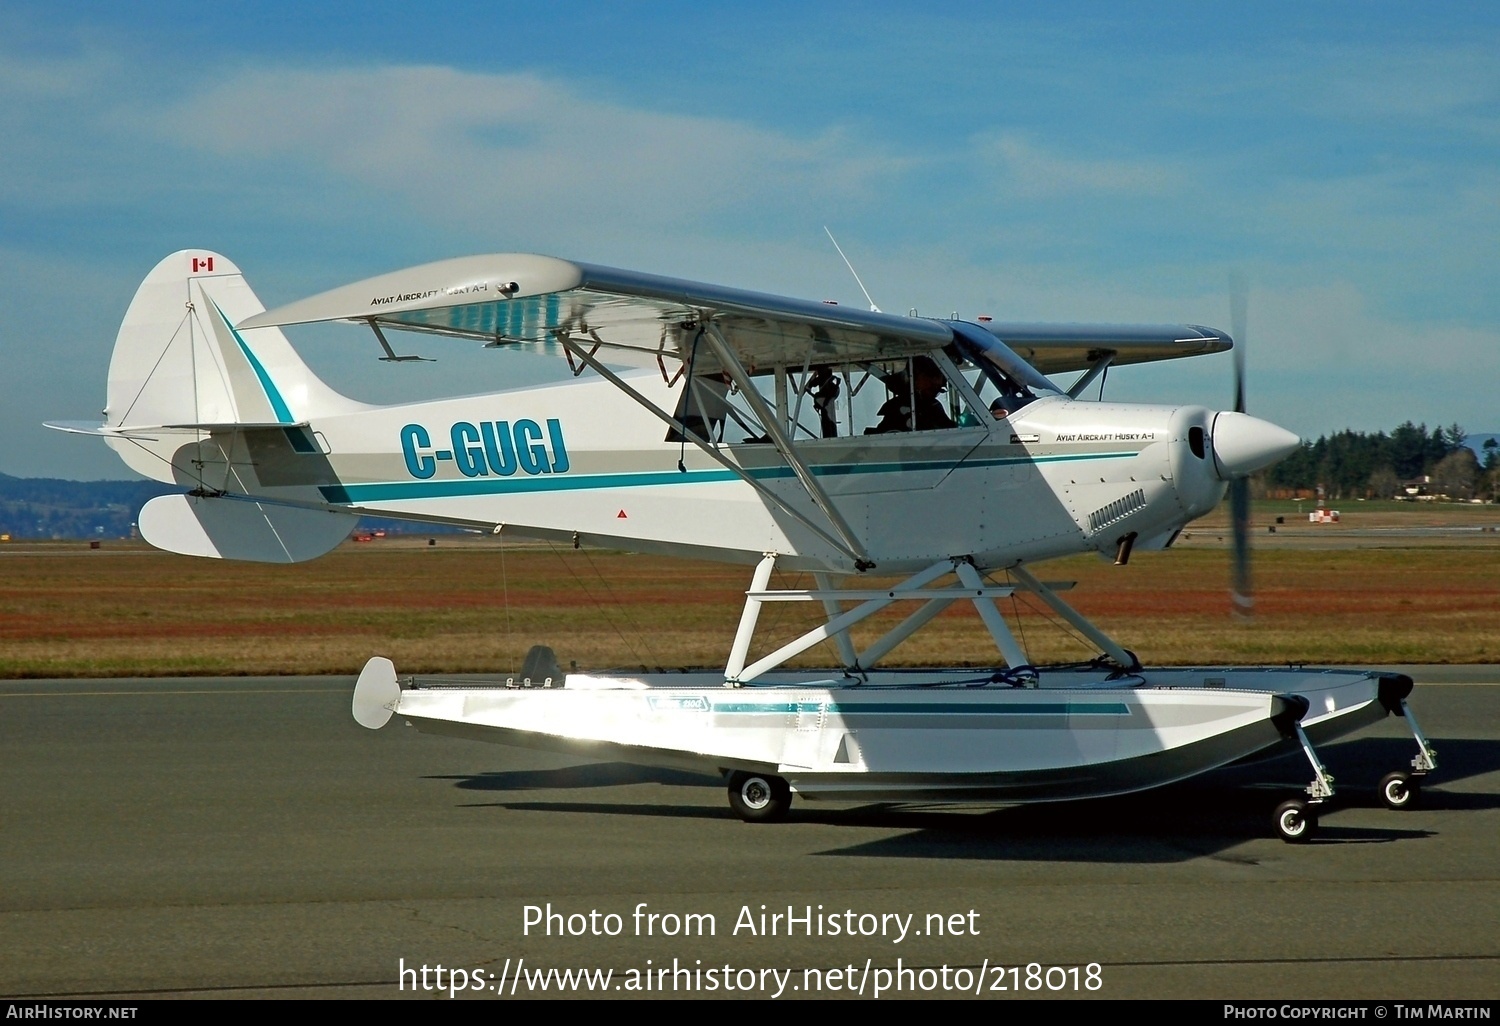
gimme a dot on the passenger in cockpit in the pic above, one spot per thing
(824, 386)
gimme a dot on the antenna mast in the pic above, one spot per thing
(873, 307)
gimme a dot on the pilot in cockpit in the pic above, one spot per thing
(914, 407)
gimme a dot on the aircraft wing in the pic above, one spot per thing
(1056, 348)
(519, 298)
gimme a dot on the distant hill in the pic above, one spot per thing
(50, 508)
(45, 507)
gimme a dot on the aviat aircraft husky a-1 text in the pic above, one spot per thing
(897, 459)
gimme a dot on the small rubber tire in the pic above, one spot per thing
(759, 797)
(1399, 790)
(1296, 823)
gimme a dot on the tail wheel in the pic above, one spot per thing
(759, 797)
(1296, 823)
(1399, 791)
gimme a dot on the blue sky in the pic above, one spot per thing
(1074, 162)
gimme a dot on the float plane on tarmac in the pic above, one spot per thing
(902, 461)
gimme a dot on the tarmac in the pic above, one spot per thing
(242, 837)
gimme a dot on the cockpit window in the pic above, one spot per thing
(834, 400)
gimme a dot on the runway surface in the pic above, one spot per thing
(243, 837)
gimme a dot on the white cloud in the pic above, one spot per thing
(1032, 171)
(515, 149)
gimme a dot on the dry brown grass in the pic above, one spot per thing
(468, 607)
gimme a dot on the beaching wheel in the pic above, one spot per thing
(1295, 822)
(1399, 791)
(759, 797)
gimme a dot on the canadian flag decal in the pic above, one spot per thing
(203, 264)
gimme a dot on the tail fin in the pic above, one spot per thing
(179, 361)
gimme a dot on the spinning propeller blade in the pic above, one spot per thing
(1242, 603)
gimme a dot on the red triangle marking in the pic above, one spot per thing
(621, 515)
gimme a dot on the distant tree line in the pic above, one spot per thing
(1353, 464)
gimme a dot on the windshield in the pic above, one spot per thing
(1017, 381)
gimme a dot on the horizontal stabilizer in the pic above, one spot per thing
(87, 427)
(225, 528)
(236, 425)
(84, 427)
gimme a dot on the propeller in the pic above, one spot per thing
(1242, 604)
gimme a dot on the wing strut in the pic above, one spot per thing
(570, 346)
(1096, 368)
(768, 419)
(390, 354)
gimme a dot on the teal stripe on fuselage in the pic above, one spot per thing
(450, 488)
(519, 485)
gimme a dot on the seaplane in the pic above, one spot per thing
(903, 463)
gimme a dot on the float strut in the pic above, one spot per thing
(1321, 788)
(748, 618)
